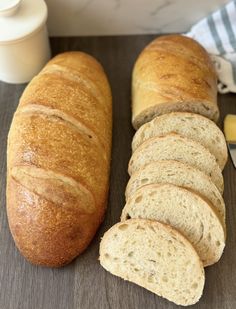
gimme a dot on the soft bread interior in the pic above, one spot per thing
(176, 147)
(179, 174)
(156, 257)
(194, 126)
(184, 210)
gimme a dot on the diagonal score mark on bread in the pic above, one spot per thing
(73, 99)
(59, 189)
(170, 99)
(165, 90)
(32, 109)
(74, 76)
(184, 53)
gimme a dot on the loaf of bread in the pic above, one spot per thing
(184, 210)
(58, 160)
(173, 146)
(173, 73)
(194, 126)
(179, 174)
(156, 257)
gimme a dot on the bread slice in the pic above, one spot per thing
(156, 257)
(194, 126)
(176, 147)
(179, 174)
(184, 210)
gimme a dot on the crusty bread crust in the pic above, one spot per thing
(173, 73)
(58, 160)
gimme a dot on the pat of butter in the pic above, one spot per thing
(230, 128)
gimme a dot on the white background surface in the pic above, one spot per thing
(110, 17)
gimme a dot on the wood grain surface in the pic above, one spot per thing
(84, 284)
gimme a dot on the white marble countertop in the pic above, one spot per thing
(120, 17)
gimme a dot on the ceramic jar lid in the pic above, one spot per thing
(20, 18)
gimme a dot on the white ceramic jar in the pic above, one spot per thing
(24, 44)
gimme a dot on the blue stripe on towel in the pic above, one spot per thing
(215, 35)
(228, 27)
(233, 63)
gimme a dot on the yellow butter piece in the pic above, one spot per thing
(230, 128)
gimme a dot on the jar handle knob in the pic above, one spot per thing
(9, 7)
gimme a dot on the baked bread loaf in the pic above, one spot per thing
(194, 126)
(156, 257)
(58, 160)
(176, 147)
(179, 174)
(185, 211)
(173, 73)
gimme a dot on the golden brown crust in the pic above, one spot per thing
(46, 233)
(85, 67)
(173, 70)
(58, 160)
(59, 93)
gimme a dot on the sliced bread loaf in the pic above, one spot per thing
(179, 174)
(194, 126)
(156, 257)
(184, 210)
(176, 147)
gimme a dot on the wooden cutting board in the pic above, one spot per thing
(84, 284)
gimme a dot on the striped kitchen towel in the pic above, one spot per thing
(217, 33)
